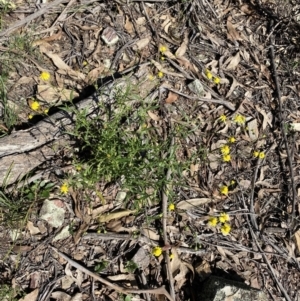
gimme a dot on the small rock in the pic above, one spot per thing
(109, 36)
(217, 289)
(196, 87)
(53, 212)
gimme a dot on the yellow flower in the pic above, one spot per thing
(163, 49)
(224, 190)
(156, 251)
(35, 105)
(261, 155)
(162, 58)
(225, 150)
(225, 229)
(171, 207)
(232, 182)
(45, 76)
(160, 74)
(171, 256)
(46, 111)
(64, 188)
(226, 158)
(151, 77)
(239, 119)
(255, 154)
(231, 139)
(84, 63)
(224, 217)
(212, 221)
(216, 80)
(30, 116)
(208, 74)
(223, 118)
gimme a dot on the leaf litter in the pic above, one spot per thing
(231, 42)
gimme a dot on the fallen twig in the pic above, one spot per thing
(287, 148)
(265, 257)
(156, 291)
(45, 9)
(225, 103)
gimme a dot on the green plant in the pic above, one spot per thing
(9, 116)
(131, 266)
(120, 145)
(16, 205)
(7, 293)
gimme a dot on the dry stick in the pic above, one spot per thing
(164, 224)
(225, 103)
(251, 209)
(278, 92)
(30, 18)
(265, 257)
(157, 291)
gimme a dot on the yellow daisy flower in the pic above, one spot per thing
(261, 155)
(225, 150)
(64, 189)
(208, 74)
(239, 119)
(224, 190)
(226, 158)
(160, 74)
(35, 105)
(216, 80)
(231, 139)
(255, 154)
(223, 118)
(224, 217)
(171, 207)
(225, 229)
(45, 76)
(157, 251)
(212, 221)
(163, 49)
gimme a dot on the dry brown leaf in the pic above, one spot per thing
(268, 117)
(192, 203)
(141, 21)
(51, 94)
(63, 68)
(177, 266)
(187, 64)
(297, 240)
(114, 215)
(60, 296)
(122, 277)
(32, 229)
(172, 97)
(233, 62)
(153, 116)
(142, 43)
(94, 74)
(152, 234)
(253, 129)
(31, 296)
(221, 251)
(183, 47)
(53, 37)
(162, 69)
(233, 86)
(128, 26)
(232, 35)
